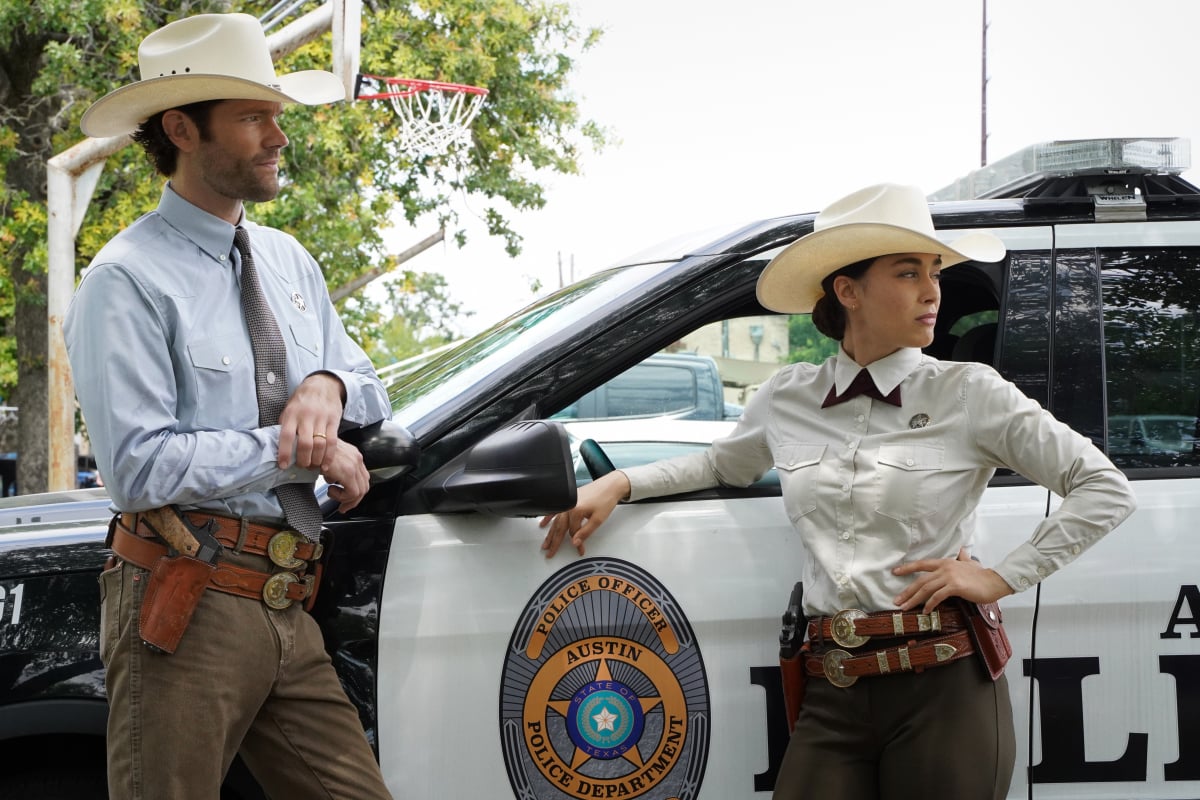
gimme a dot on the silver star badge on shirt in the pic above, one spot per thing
(918, 421)
(298, 301)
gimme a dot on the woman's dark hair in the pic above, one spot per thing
(828, 315)
(161, 150)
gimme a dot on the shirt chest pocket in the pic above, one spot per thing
(797, 465)
(908, 484)
(223, 369)
(307, 342)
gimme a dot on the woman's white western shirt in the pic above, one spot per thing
(869, 486)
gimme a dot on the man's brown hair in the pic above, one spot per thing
(159, 148)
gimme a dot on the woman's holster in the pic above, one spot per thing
(791, 655)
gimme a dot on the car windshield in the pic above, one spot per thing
(430, 382)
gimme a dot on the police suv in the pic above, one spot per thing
(649, 668)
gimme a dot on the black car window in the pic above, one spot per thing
(1151, 299)
(679, 399)
(694, 388)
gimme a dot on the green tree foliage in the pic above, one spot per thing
(420, 317)
(345, 180)
(806, 343)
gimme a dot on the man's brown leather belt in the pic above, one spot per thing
(278, 590)
(854, 628)
(842, 668)
(243, 536)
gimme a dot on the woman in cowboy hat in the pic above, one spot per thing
(883, 454)
(215, 374)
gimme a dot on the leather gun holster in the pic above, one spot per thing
(173, 591)
(791, 655)
(174, 585)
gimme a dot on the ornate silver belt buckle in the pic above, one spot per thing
(841, 628)
(275, 590)
(834, 671)
(281, 549)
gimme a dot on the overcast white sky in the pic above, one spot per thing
(728, 112)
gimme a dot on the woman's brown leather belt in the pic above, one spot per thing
(853, 628)
(135, 543)
(943, 638)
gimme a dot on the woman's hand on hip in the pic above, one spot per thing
(939, 579)
(595, 502)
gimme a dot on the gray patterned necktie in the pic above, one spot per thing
(270, 381)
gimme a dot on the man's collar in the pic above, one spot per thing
(211, 234)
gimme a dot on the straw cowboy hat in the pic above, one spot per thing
(205, 57)
(875, 221)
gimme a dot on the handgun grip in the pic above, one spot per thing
(167, 524)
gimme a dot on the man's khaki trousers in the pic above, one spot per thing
(245, 679)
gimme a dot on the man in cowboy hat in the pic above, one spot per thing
(215, 375)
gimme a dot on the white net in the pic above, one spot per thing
(433, 119)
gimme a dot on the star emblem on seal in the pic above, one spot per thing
(604, 720)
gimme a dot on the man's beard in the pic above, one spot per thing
(240, 180)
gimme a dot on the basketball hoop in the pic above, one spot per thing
(434, 116)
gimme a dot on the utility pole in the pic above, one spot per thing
(983, 129)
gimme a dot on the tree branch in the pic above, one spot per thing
(344, 291)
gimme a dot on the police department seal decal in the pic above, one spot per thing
(603, 692)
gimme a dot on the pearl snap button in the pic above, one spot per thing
(226, 360)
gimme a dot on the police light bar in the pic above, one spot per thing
(1068, 158)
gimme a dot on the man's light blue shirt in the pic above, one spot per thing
(164, 371)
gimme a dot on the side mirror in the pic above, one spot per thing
(387, 448)
(521, 470)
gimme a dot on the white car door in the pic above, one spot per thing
(676, 602)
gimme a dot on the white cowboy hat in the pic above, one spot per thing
(205, 57)
(876, 221)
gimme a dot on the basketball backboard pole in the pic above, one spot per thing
(347, 42)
